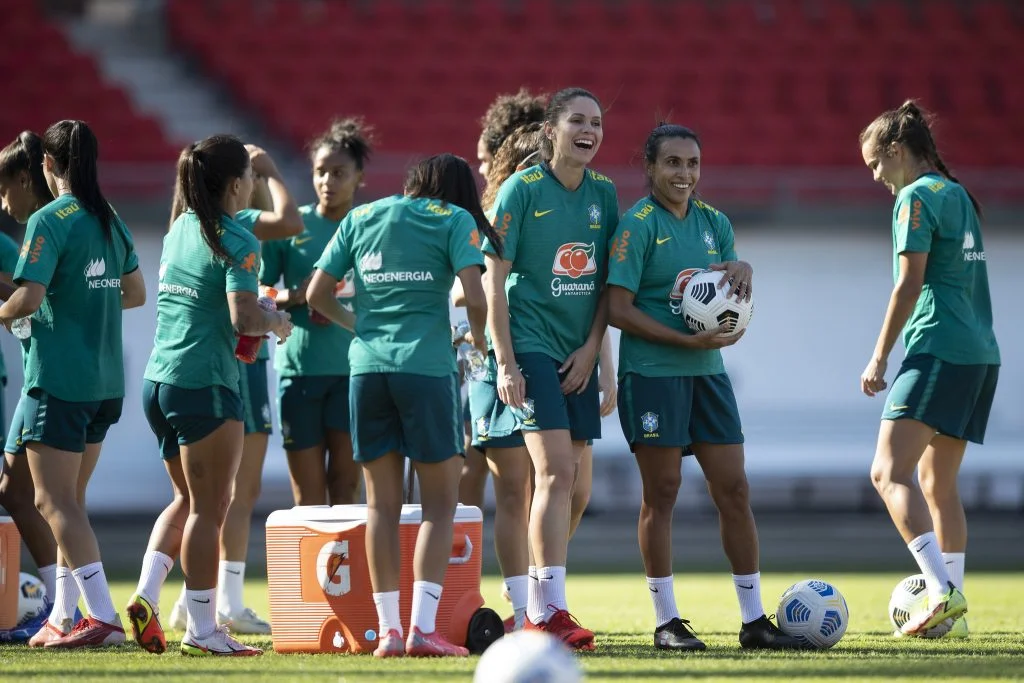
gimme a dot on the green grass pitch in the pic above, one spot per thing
(619, 610)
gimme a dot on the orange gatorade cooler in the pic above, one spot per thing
(10, 572)
(321, 599)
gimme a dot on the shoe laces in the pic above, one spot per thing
(562, 618)
(680, 626)
(82, 625)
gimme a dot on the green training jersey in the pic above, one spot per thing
(953, 316)
(8, 262)
(406, 253)
(195, 340)
(312, 349)
(654, 255)
(247, 219)
(74, 352)
(557, 242)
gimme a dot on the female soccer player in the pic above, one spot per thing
(74, 381)
(547, 318)
(208, 289)
(272, 215)
(943, 392)
(406, 252)
(312, 366)
(674, 393)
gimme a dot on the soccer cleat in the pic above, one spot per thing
(49, 632)
(179, 616)
(391, 645)
(676, 634)
(565, 627)
(422, 644)
(91, 632)
(763, 634)
(145, 622)
(217, 644)
(959, 629)
(952, 605)
(245, 622)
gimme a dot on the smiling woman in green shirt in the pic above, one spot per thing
(77, 271)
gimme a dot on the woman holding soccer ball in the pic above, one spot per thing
(674, 393)
(942, 394)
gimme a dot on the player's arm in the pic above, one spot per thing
(510, 208)
(624, 315)
(241, 284)
(36, 266)
(458, 294)
(133, 289)
(282, 219)
(330, 269)
(467, 262)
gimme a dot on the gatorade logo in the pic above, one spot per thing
(334, 575)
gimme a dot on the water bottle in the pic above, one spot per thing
(248, 348)
(473, 361)
(22, 327)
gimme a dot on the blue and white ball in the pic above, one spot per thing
(32, 600)
(814, 612)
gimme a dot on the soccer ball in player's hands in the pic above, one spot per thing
(707, 307)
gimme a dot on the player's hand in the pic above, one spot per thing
(297, 296)
(609, 392)
(714, 339)
(478, 344)
(872, 380)
(282, 327)
(578, 368)
(262, 164)
(511, 385)
(737, 274)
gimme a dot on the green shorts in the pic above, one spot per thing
(64, 425)
(483, 400)
(309, 406)
(179, 417)
(255, 394)
(953, 399)
(546, 406)
(415, 415)
(675, 412)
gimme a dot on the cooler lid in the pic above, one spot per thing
(347, 514)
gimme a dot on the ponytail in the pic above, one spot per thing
(205, 169)
(75, 153)
(25, 154)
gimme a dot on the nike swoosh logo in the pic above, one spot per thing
(654, 590)
(302, 240)
(662, 240)
(169, 567)
(893, 406)
(89, 576)
(231, 571)
(202, 602)
(923, 546)
(749, 588)
(538, 214)
(436, 597)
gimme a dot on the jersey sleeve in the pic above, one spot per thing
(131, 258)
(272, 262)
(40, 252)
(337, 258)
(726, 238)
(612, 211)
(914, 223)
(8, 254)
(464, 243)
(248, 218)
(628, 254)
(244, 265)
(509, 213)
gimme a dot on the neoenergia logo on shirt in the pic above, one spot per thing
(94, 272)
(170, 288)
(969, 253)
(371, 270)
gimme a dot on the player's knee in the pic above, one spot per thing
(15, 498)
(557, 476)
(511, 493)
(247, 494)
(580, 500)
(732, 494)
(660, 495)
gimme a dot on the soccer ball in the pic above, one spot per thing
(32, 600)
(705, 306)
(911, 595)
(527, 657)
(814, 612)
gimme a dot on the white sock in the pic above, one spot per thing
(552, 590)
(65, 597)
(387, 613)
(182, 595)
(155, 567)
(92, 581)
(518, 588)
(230, 586)
(748, 590)
(926, 551)
(48, 575)
(534, 603)
(202, 612)
(955, 568)
(426, 597)
(664, 597)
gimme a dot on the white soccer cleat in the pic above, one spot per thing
(246, 621)
(179, 616)
(218, 644)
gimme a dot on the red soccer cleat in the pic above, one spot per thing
(422, 644)
(91, 632)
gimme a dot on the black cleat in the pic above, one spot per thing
(763, 634)
(676, 635)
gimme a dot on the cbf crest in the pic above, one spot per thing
(709, 242)
(649, 421)
(594, 213)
